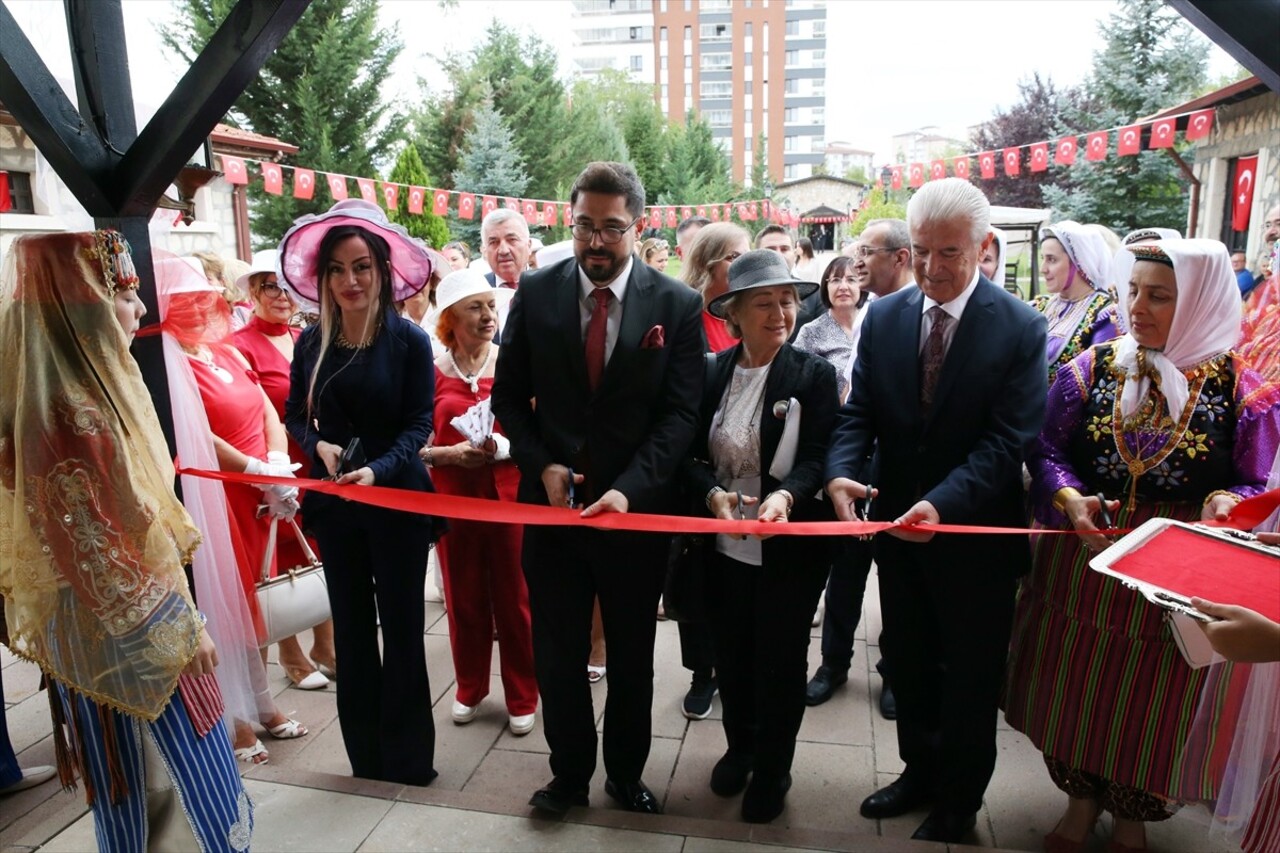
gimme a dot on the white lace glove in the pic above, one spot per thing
(277, 465)
(502, 447)
(282, 508)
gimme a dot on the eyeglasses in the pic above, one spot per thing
(863, 251)
(586, 232)
(271, 289)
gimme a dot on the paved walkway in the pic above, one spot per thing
(306, 799)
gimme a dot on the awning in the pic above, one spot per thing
(821, 214)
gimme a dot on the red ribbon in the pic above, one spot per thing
(1246, 515)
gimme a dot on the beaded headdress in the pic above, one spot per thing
(112, 251)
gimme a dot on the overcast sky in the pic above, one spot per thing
(892, 65)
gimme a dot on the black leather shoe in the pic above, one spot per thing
(824, 682)
(900, 797)
(888, 705)
(633, 796)
(765, 797)
(558, 797)
(729, 776)
(951, 827)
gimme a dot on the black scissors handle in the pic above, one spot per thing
(1104, 514)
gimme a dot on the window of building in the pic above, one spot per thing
(716, 89)
(819, 59)
(819, 87)
(746, 28)
(788, 172)
(791, 58)
(748, 85)
(634, 33)
(688, 34)
(662, 62)
(793, 28)
(20, 196)
(717, 61)
(714, 32)
(637, 63)
(746, 116)
(662, 35)
(664, 91)
(789, 115)
(662, 5)
(788, 143)
(819, 29)
(791, 86)
(688, 5)
(718, 118)
(688, 61)
(688, 92)
(818, 115)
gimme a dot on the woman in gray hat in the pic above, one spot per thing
(767, 411)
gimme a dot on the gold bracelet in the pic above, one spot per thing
(1234, 497)
(1063, 495)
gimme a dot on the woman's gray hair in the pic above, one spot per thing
(951, 200)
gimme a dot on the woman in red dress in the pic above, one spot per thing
(483, 582)
(266, 342)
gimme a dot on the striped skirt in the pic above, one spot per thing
(1096, 681)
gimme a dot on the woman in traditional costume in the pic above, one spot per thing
(1074, 264)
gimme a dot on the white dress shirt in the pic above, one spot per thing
(587, 305)
(954, 309)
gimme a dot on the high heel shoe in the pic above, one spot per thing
(327, 668)
(304, 678)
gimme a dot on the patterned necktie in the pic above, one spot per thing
(596, 330)
(933, 354)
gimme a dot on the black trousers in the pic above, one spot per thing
(384, 700)
(846, 587)
(697, 647)
(566, 569)
(760, 618)
(946, 639)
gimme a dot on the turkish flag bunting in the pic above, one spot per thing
(715, 213)
(1065, 153)
(488, 204)
(511, 203)
(742, 211)
(937, 170)
(1246, 173)
(417, 199)
(550, 213)
(1012, 161)
(566, 213)
(987, 164)
(1040, 157)
(391, 196)
(672, 219)
(655, 217)
(1096, 145)
(728, 213)
(337, 187)
(768, 208)
(916, 174)
(466, 205)
(1163, 133)
(895, 180)
(961, 167)
(304, 183)
(1199, 124)
(685, 213)
(751, 210)
(702, 210)
(366, 190)
(530, 208)
(233, 170)
(439, 202)
(1130, 140)
(272, 178)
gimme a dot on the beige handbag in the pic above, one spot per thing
(295, 600)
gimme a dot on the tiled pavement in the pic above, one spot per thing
(306, 799)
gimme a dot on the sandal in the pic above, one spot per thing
(306, 678)
(595, 673)
(256, 754)
(287, 730)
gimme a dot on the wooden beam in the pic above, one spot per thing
(99, 59)
(1246, 29)
(231, 59)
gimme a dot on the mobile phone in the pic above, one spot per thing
(352, 458)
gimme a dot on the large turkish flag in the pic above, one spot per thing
(1246, 177)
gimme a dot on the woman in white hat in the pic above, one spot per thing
(360, 398)
(266, 341)
(1074, 263)
(483, 580)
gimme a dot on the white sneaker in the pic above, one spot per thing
(521, 725)
(463, 714)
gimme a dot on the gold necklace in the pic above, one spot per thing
(342, 341)
(1120, 425)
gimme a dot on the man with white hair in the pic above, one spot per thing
(950, 384)
(505, 244)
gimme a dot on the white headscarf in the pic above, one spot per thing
(1002, 246)
(1206, 319)
(1085, 248)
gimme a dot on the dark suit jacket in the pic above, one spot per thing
(812, 381)
(630, 434)
(966, 457)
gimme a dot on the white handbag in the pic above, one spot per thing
(296, 599)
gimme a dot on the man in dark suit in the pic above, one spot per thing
(950, 382)
(597, 386)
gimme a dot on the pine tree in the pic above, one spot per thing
(489, 163)
(426, 225)
(320, 90)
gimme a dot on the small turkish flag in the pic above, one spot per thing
(511, 203)
(702, 210)
(937, 170)
(1163, 134)
(417, 199)
(768, 208)
(1040, 157)
(1130, 140)
(1246, 170)
(272, 178)
(742, 212)
(366, 189)
(566, 215)
(233, 170)
(916, 178)
(987, 164)
(467, 205)
(715, 213)
(1095, 148)
(1012, 162)
(550, 213)
(751, 210)
(304, 183)
(337, 187)
(1065, 153)
(530, 208)
(685, 213)
(961, 167)
(1199, 124)
(655, 217)
(439, 202)
(488, 204)
(672, 219)
(391, 195)
(895, 181)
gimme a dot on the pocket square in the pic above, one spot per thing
(655, 338)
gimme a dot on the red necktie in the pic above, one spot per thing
(596, 332)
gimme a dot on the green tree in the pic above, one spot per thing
(859, 174)
(877, 208)
(320, 90)
(760, 164)
(490, 164)
(697, 170)
(426, 225)
(1152, 60)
